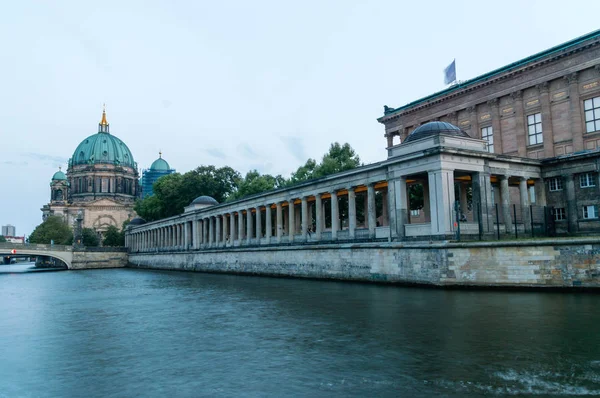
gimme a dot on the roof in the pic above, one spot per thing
(59, 175)
(204, 200)
(433, 129)
(532, 58)
(137, 221)
(160, 165)
(103, 148)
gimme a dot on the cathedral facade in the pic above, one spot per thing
(100, 186)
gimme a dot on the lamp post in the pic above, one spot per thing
(78, 241)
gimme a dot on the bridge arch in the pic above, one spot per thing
(62, 253)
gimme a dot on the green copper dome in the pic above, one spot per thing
(103, 148)
(160, 164)
(59, 175)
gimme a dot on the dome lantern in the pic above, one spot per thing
(103, 126)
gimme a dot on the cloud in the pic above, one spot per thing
(13, 163)
(216, 153)
(247, 151)
(296, 147)
(47, 159)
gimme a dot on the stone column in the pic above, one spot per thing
(496, 129)
(225, 230)
(232, 228)
(304, 211)
(575, 113)
(547, 135)
(390, 139)
(211, 231)
(572, 214)
(441, 194)
(351, 213)
(475, 133)
(393, 210)
(279, 218)
(371, 210)
(240, 227)
(218, 235)
(258, 225)
(205, 240)
(540, 192)
(524, 197)
(318, 216)
(249, 226)
(268, 223)
(482, 195)
(517, 97)
(291, 221)
(402, 206)
(505, 197)
(335, 216)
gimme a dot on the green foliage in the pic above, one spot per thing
(175, 191)
(89, 237)
(339, 158)
(255, 183)
(415, 196)
(52, 229)
(113, 237)
(2, 239)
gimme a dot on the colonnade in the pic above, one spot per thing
(297, 219)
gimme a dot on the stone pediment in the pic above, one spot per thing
(104, 202)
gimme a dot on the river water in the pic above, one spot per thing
(126, 333)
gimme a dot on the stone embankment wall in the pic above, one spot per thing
(93, 258)
(544, 263)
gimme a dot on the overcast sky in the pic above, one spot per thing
(262, 84)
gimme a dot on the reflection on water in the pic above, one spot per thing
(150, 333)
(21, 267)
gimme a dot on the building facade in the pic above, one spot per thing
(545, 107)
(159, 168)
(100, 186)
(9, 230)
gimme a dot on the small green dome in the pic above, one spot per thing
(160, 165)
(59, 175)
(103, 148)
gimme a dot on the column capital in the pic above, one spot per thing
(452, 115)
(543, 87)
(572, 78)
(472, 109)
(493, 102)
(333, 192)
(569, 177)
(517, 95)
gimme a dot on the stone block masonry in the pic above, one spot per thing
(557, 263)
(95, 259)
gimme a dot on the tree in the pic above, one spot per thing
(54, 228)
(175, 191)
(2, 239)
(113, 237)
(338, 158)
(255, 183)
(89, 237)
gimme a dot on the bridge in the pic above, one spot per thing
(61, 252)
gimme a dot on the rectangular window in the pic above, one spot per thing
(592, 114)
(534, 129)
(487, 135)
(586, 180)
(590, 212)
(555, 184)
(560, 214)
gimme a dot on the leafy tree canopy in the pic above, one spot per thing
(113, 237)
(2, 239)
(175, 191)
(255, 183)
(52, 229)
(89, 237)
(338, 158)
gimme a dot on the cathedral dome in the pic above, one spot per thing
(204, 200)
(103, 148)
(59, 176)
(435, 128)
(160, 164)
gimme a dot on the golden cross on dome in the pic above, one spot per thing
(160, 154)
(104, 122)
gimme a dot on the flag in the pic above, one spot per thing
(450, 73)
